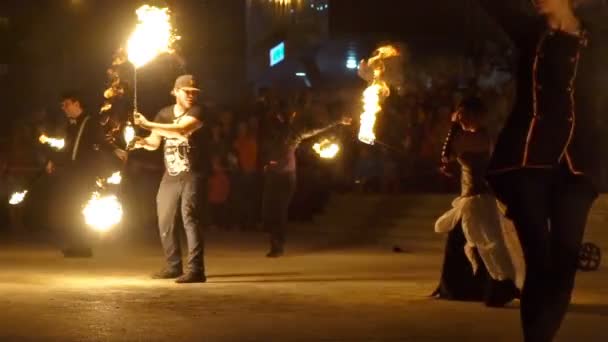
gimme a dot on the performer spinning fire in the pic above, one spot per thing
(474, 224)
(545, 161)
(184, 180)
(280, 173)
(86, 155)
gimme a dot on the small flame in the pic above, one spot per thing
(129, 133)
(326, 149)
(153, 35)
(102, 213)
(115, 178)
(55, 143)
(17, 197)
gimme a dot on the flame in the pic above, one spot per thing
(326, 149)
(372, 95)
(153, 35)
(371, 107)
(55, 143)
(129, 133)
(115, 178)
(17, 197)
(102, 213)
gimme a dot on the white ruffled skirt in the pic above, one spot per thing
(492, 234)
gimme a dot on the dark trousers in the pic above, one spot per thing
(247, 199)
(181, 192)
(278, 191)
(549, 209)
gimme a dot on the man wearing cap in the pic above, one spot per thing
(184, 180)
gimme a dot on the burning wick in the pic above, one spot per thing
(153, 35)
(129, 133)
(55, 143)
(102, 213)
(326, 149)
(17, 197)
(115, 178)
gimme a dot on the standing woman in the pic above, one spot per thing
(478, 265)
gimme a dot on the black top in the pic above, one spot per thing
(182, 156)
(472, 151)
(86, 150)
(554, 118)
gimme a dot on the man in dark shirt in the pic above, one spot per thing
(544, 164)
(184, 180)
(280, 173)
(85, 156)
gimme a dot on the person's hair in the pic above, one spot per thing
(473, 109)
(72, 95)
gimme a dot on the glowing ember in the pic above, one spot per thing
(17, 197)
(129, 133)
(326, 149)
(115, 179)
(153, 35)
(102, 213)
(371, 107)
(55, 143)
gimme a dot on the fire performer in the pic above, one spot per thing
(545, 164)
(474, 223)
(184, 181)
(280, 173)
(85, 156)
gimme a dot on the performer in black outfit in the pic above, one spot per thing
(284, 136)
(86, 156)
(545, 162)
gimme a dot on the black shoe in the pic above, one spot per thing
(77, 252)
(167, 273)
(274, 253)
(191, 277)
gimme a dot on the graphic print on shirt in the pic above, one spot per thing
(176, 156)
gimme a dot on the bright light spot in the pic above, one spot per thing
(102, 213)
(129, 133)
(351, 63)
(17, 197)
(153, 35)
(115, 178)
(301, 74)
(371, 107)
(55, 143)
(326, 149)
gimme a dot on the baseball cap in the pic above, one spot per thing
(187, 82)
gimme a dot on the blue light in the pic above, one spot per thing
(277, 54)
(351, 62)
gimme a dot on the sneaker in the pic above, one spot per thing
(274, 253)
(191, 277)
(167, 273)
